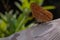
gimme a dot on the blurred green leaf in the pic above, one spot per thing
(19, 6)
(3, 25)
(40, 2)
(21, 21)
(3, 17)
(30, 25)
(49, 7)
(2, 35)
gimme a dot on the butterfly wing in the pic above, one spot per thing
(40, 14)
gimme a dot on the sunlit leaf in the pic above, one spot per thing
(3, 25)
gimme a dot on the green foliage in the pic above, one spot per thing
(10, 23)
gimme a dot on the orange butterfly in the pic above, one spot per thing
(40, 14)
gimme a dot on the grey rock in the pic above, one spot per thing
(45, 31)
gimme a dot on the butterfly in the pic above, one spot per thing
(40, 14)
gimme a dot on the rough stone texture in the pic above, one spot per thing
(48, 31)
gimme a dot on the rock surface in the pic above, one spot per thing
(48, 31)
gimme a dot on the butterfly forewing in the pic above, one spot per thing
(40, 14)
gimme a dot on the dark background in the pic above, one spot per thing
(56, 3)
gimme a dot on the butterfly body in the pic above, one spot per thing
(40, 14)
